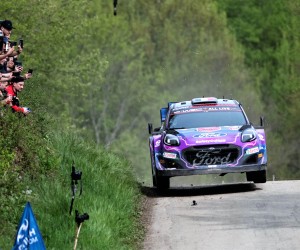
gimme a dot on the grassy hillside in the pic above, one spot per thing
(110, 196)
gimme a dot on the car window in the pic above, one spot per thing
(207, 119)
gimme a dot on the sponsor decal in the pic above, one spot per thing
(211, 141)
(252, 151)
(211, 159)
(206, 109)
(187, 111)
(212, 166)
(261, 137)
(219, 108)
(209, 129)
(157, 143)
(233, 127)
(223, 109)
(210, 135)
(169, 155)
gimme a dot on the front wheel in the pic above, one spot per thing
(154, 179)
(160, 182)
(257, 176)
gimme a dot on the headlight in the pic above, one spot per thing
(248, 135)
(171, 140)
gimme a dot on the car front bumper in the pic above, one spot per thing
(215, 169)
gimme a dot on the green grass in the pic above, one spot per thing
(110, 197)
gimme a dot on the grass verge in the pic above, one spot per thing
(110, 196)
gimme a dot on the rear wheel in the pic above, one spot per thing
(257, 176)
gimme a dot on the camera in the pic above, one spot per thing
(13, 44)
(16, 74)
(6, 46)
(4, 94)
(21, 43)
(30, 71)
(80, 218)
(75, 175)
(18, 63)
(15, 101)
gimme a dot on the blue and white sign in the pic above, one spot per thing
(28, 236)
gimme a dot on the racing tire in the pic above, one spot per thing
(154, 181)
(162, 183)
(257, 176)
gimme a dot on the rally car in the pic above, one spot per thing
(206, 136)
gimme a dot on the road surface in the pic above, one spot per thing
(226, 216)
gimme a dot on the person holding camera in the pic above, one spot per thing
(10, 68)
(5, 77)
(6, 27)
(4, 99)
(10, 65)
(5, 53)
(16, 85)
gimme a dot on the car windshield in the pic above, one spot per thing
(206, 119)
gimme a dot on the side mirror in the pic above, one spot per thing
(150, 128)
(262, 121)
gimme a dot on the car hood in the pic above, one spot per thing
(208, 135)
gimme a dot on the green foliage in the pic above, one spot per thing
(25, 138)
(25, 157)
(110, 197)
(269, 32)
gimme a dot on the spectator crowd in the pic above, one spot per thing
(12, 76)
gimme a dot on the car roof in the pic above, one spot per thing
(214, 102)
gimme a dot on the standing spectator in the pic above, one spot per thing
(6, 27)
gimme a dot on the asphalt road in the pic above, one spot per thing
(226, 216)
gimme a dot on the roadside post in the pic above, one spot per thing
(75, 177)
(79, 219)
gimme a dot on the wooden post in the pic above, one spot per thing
(77, 231)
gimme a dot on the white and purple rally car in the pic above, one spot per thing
(206, 136)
